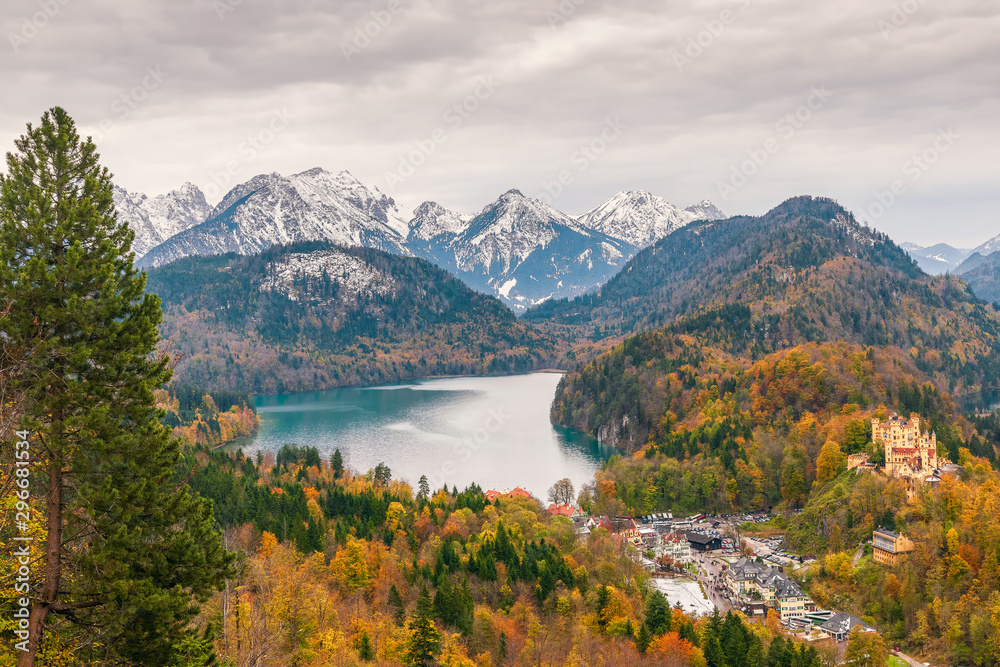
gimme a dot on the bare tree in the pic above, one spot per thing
(562, 492)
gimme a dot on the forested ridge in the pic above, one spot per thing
(230, 327)
(806, 272)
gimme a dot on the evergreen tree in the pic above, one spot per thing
(755, 654)
(643, 639)
(714, 657)
(603, 597)
(127, 549)
(425, 639)
(337, 464)
(424, 488)
(396, 602)
(659, 618)
(364, 646)
(466, 609)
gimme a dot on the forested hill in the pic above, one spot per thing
(807, 271)
(739, 260)
(314, 315)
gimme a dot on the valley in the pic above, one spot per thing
(500, 334)
(342, 367)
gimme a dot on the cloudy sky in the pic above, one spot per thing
(745, 103)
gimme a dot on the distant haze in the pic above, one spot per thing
(888, 107)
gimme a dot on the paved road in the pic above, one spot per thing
(710, 576)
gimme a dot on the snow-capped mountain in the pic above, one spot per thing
(154, 220)
(315, 205)
(354, 276)
(990, 247)
(640, 218)
(519, 249)
(433, 221)
(937, 259)
(524, 251)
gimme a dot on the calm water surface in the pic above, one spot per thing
(494, 431)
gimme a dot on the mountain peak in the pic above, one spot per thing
(432, 221)
(641, 218)
(312, 205)
(156, 219)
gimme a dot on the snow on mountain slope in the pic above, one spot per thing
(936, 259)
(988, 248)
(706, 210)
(352, 274)
(431, 221)
(517, 248)
(156, 219)
(508, 231)
(640, 218)
(524, 251)
(315, 205)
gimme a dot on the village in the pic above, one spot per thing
(704, 563)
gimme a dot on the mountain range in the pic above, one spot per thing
(517, 248)
(943, 258)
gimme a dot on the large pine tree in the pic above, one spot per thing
(128, 551)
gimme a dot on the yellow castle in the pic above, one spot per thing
(908, 452)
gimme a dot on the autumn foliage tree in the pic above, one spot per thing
(831, 462)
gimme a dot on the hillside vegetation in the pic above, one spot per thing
(806, 272)
(313, 316)
(344, 568)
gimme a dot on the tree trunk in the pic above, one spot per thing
(53, 548)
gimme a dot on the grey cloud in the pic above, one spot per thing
(563, 72)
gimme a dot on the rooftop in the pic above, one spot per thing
(842, 622)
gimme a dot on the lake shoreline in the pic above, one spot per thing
(492, 430)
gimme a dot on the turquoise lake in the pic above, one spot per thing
(494, 431)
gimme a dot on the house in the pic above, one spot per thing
(648, 537)
(840, 625)
(626, 527)
(757, 588)
(703, 542)
(517, 492)
(569, 511)
(741, 576)
(675, 546)
(890, 547)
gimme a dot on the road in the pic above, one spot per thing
(710, 576)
